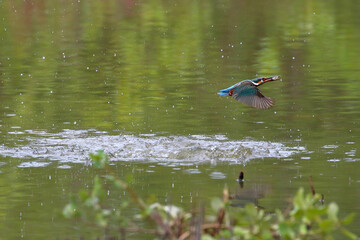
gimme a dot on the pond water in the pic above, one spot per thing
(139, 80)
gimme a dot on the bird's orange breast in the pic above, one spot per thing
(231, 92)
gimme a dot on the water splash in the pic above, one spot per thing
(73, 146)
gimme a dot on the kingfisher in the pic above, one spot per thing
(247, 92)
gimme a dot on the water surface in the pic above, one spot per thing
(139, 80)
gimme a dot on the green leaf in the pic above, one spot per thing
(349, 234)
(251, 210)
(279, 215)
(267, 235)
(348, 219)
(206, 237)
(241, 232)
(225, 234)
(303, 229)
(92, 202)
(70, 210)
(299, 199)
(315, 212)
(100, 220)
(286, 231)
(99, 159)
(327, 225)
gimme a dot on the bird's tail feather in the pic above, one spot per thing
(223, 93)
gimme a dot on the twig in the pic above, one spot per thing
(312, 185)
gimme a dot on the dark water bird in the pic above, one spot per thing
(241, 179)
(241, 176)
(251, 193)
(247, 92)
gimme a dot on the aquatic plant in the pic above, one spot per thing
(307, 217)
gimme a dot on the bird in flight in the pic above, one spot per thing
(247, 92)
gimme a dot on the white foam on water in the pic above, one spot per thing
(33, 164)
(73, 146)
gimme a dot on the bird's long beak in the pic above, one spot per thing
(273, 78)
(269, 79)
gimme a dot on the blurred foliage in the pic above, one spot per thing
(306, 218)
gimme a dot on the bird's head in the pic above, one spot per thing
(261, 80)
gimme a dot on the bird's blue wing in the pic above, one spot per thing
(251, 95)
